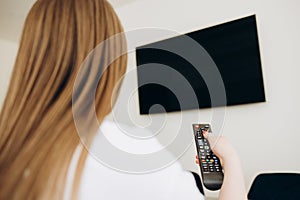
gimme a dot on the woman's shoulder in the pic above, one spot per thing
(101, 181)
(172, 182)
(128, 138)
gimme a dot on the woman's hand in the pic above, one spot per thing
(220, 146)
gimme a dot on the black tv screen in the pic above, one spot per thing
(234, 49)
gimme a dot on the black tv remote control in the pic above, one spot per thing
(211, 169)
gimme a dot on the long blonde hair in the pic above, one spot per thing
(37, 131)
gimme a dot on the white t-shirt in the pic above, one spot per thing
(101, 182)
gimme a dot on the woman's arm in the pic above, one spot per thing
(233, 187)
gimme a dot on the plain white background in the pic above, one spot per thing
(266, 135)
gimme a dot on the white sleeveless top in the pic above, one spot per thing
(101, 182)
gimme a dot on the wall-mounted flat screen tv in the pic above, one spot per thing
(234, 48)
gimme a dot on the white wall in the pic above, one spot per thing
(266, 135)
(8, 51)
